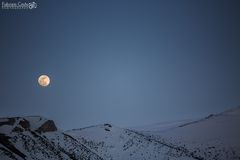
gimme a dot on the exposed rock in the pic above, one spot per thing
(48, 126)
(108, 125)
(17, 129)
(106, 129)
(24, 124)
(4, 140)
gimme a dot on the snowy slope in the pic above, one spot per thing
(224, 127)
(163, 126)
(115, 143)
(213, 137)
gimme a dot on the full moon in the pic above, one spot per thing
(44, 80)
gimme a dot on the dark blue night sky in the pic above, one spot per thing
(129, 63)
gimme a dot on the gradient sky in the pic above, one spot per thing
(126, 62)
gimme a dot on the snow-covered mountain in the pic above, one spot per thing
(215, 137)
(115, 143)
(38, 138)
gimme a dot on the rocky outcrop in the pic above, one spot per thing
(24, 124)
(48, 126)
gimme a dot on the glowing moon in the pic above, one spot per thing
(44, 80)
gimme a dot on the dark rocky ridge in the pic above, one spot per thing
(21, 124)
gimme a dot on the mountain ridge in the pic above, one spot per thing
(36, 137)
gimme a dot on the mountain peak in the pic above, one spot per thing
(28, 123)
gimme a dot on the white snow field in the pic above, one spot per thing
(215, 137)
